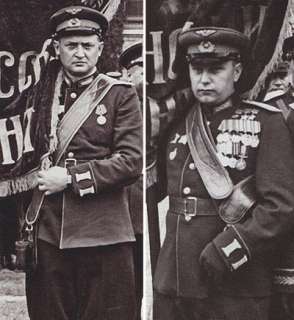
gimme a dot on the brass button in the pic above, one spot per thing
(187, 190)
(192, 166)
(73, 95)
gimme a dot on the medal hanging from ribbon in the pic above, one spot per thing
(237, 135)
(101, 112)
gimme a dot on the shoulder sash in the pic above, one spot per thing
(80, 111)
(69, 125)
(214, 176)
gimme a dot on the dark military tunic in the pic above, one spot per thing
(284, 271)
(90, 219)
(248, 144)
(106, 156)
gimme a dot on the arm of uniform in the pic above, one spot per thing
(273, 216)
(125, 163)
(160, 115)
(284, 273)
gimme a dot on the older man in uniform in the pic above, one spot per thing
(131, 59)
(84, 240)
(230, 181)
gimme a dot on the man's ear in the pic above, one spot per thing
(101, 46)
(237, 71)
(56, 47)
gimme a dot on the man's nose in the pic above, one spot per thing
(80, 52)
(205, 78)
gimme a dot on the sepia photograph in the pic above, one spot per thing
(219, 159)
(147, 160)
(71, 141)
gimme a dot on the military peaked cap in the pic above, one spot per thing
(132, 55)
(288, 49)
(80, 20)
(214, 43)
(282, 68)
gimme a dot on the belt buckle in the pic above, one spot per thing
(69, 162)
(189, 216)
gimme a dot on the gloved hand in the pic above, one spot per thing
(212, 264)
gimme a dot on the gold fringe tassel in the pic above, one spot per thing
(19, 184)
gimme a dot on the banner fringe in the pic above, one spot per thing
(110, 9)
(19, 184)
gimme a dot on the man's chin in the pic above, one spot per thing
(79, 72)
(206, 100)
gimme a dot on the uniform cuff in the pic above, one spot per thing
(83, 180)
(232, 248)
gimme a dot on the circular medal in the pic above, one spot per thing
(220, 138)
(226, 137)
(241, 164)
(225, 161)
(101, 120)
(245, 139)
(254, 141)
(232, 162)
(236, 138)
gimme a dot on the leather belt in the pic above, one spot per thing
(192, 206)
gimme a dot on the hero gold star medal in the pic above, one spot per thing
(101, 111)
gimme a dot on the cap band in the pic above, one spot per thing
(76, 24)
(195, 58)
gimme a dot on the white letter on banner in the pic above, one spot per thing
(27, 136)
(4, 140)
(8, 62)
(24, 81)
(157, 57)
(172, 53)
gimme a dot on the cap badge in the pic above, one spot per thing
(205, 32)
(73, 11)
(206, 46)
(74, 22)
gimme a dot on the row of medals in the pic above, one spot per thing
(235, 138)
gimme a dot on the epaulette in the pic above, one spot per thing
(261, 105)
(113, 81)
